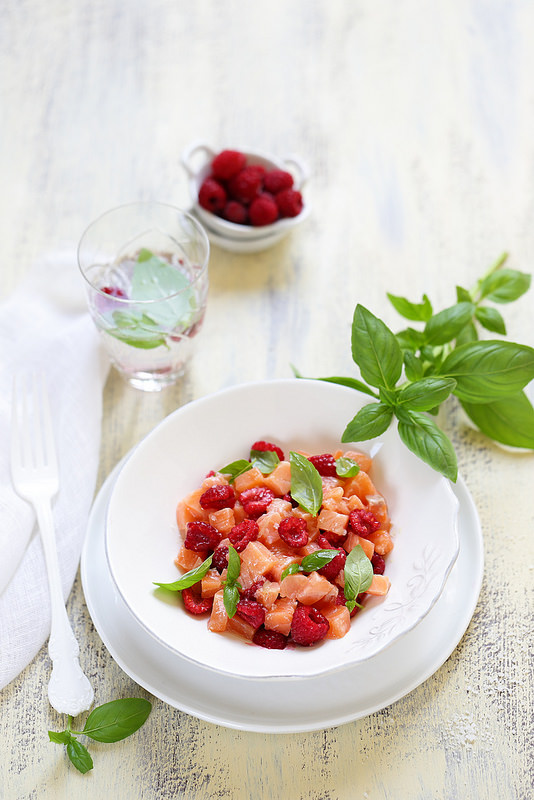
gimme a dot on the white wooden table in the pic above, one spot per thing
(416, 120)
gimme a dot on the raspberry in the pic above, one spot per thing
(308, 625)
(325, 465)
(289, 202)
(330, 570)
(220, 557)
(263, 210)
(294, 531)
(113, 291)
(227, 164)
(264, 446)
(363, 522)
(244, 533)
(251, 612)
(217, 497)
(276, 180)
(250, 593)
(272, 640)
(212, 196)
(235, 212)
(379, 564)
(194, 603)
(256, 501)
(333, 539)
(201, 537)
(245, 186)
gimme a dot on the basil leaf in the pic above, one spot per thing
(419, 312)
(375, 350)
(410, 339)
(188, 578)
(422, 436)
(424, 394)
(489, 370)
(509, 420)
(231, 599)
(60, 737)
(291, 569)
(467, 334)
(116, 720)
(317, 560)
(264, 460)
(235, 469)
(358, 573)
(346, 467)
(79, 756)
(505, 285)
(491, 319)
(351, 383)
(463, 295)
(412, 366)
(445, 326)
(306, 484)
(370, 421)
(234, 565)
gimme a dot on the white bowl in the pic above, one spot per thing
(203, 154)
(142, 539)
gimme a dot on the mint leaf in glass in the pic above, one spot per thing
(155, 279)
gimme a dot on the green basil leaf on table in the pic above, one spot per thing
(60, 737)
(489, 370)
(375, 350)
(79, 755)
(116, 720)
(306, 484)
(188, 578)
(509, 420)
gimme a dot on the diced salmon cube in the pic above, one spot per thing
(329, 484)
(190, 510)
(187, 559)
(211, 583)
(363, 460)
(219, 618)
(339, 621)
(279, 617)
(279, 480)
(336, 501)
(239, 513)
(332, 521)
(223, 519)
(257, 559)
(213, 480)
(281, 506)
(378, 506)
(353, 539)
(268, 593)
(309, 548)
(307, 589)
(382, 541)
(268, 524)
(354, 502)
(379, 585)
(240, 626)
(248, 480)
(361, 484)
(293, 585)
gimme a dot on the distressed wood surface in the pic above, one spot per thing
(416, 120)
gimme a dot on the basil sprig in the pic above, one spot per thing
(310, 563)
(411, 373)
(235, 469)
(109, 722)
(231, 586)
(306, 484)
(264, 460)
(188, 579)
(358, 572)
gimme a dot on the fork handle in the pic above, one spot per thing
(69, 690)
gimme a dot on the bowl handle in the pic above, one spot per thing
(191, 151)
(301, 169)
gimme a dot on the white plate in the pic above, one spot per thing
(142, 537)
(290, 706)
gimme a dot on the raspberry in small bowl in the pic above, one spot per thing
(247, 200)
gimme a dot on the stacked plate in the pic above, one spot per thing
(393, 645)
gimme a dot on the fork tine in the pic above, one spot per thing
(47, 438)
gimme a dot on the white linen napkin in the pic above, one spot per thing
(45, 324)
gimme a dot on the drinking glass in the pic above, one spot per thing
(145, 267)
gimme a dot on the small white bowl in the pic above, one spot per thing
(142, 538)
(263, 235)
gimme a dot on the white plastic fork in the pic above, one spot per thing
(35, 474)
